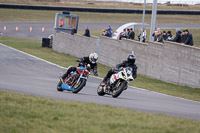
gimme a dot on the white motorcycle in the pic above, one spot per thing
(117, 83)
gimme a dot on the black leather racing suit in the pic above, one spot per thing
(84, 60)
(123, 64)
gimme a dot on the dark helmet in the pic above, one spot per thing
(131, 59)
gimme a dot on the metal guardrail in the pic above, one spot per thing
(99, 10)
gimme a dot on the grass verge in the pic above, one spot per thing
(17, 15)
(34, 47)
(103, 4)
(21, 113)
(20, 15)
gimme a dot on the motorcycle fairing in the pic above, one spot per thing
(67, 87)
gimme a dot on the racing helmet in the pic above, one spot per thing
(131, 59)
(93, 57)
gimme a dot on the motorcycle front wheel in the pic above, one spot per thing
(100, 90)
(59, 88)
(79, 86)
(120, 87)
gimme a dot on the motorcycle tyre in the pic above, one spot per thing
(100, 93)
(80, 87)
(59, 88)
(122, 86)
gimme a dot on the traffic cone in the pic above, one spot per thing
(4, 28)
(17, 29)
(31, 29)
(42, 29)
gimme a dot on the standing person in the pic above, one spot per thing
(103, 32)
(144, 35)
(189, 38)
(183, 37)
(169, 36)
(127, 32)
(165, 35)
(158, 36)
(178, 37)
(87, 32)
(109, 31)
(123, 34)
(61, 24)
(132, 34)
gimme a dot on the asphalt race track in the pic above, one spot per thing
(26, 74)
(24, 27)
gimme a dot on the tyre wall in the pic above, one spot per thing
(170, 62)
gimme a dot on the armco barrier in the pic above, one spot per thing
(170, 62)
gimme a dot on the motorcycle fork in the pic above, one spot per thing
(61, 78)
(80, 76)
(116, 85)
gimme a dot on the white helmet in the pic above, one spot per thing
(93, 57)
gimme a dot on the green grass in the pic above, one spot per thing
(18, 15)
(96, 4)
(21, 113)
(34, 47)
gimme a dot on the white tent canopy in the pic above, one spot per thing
(125, 26)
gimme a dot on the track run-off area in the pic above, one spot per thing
(24, 73)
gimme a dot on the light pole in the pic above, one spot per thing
(153, 19)
(141, 30)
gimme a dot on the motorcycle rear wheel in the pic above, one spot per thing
(100, 90)
(116, 92)
(79, 86)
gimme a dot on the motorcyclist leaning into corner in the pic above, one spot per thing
(91, 59)
(130, 62)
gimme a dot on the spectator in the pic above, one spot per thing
(158, 36)
(61, 24)
(164, 35)
(189, 38)
(183, 37)
(178, 37)
(87, 32)
(132, 34)
(109, 31)
(127, 32)
(142, 37)
(169, 36)
(105, 33)
(123, 34)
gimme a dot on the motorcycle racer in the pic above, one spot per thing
(91, 60)
(130, 62)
